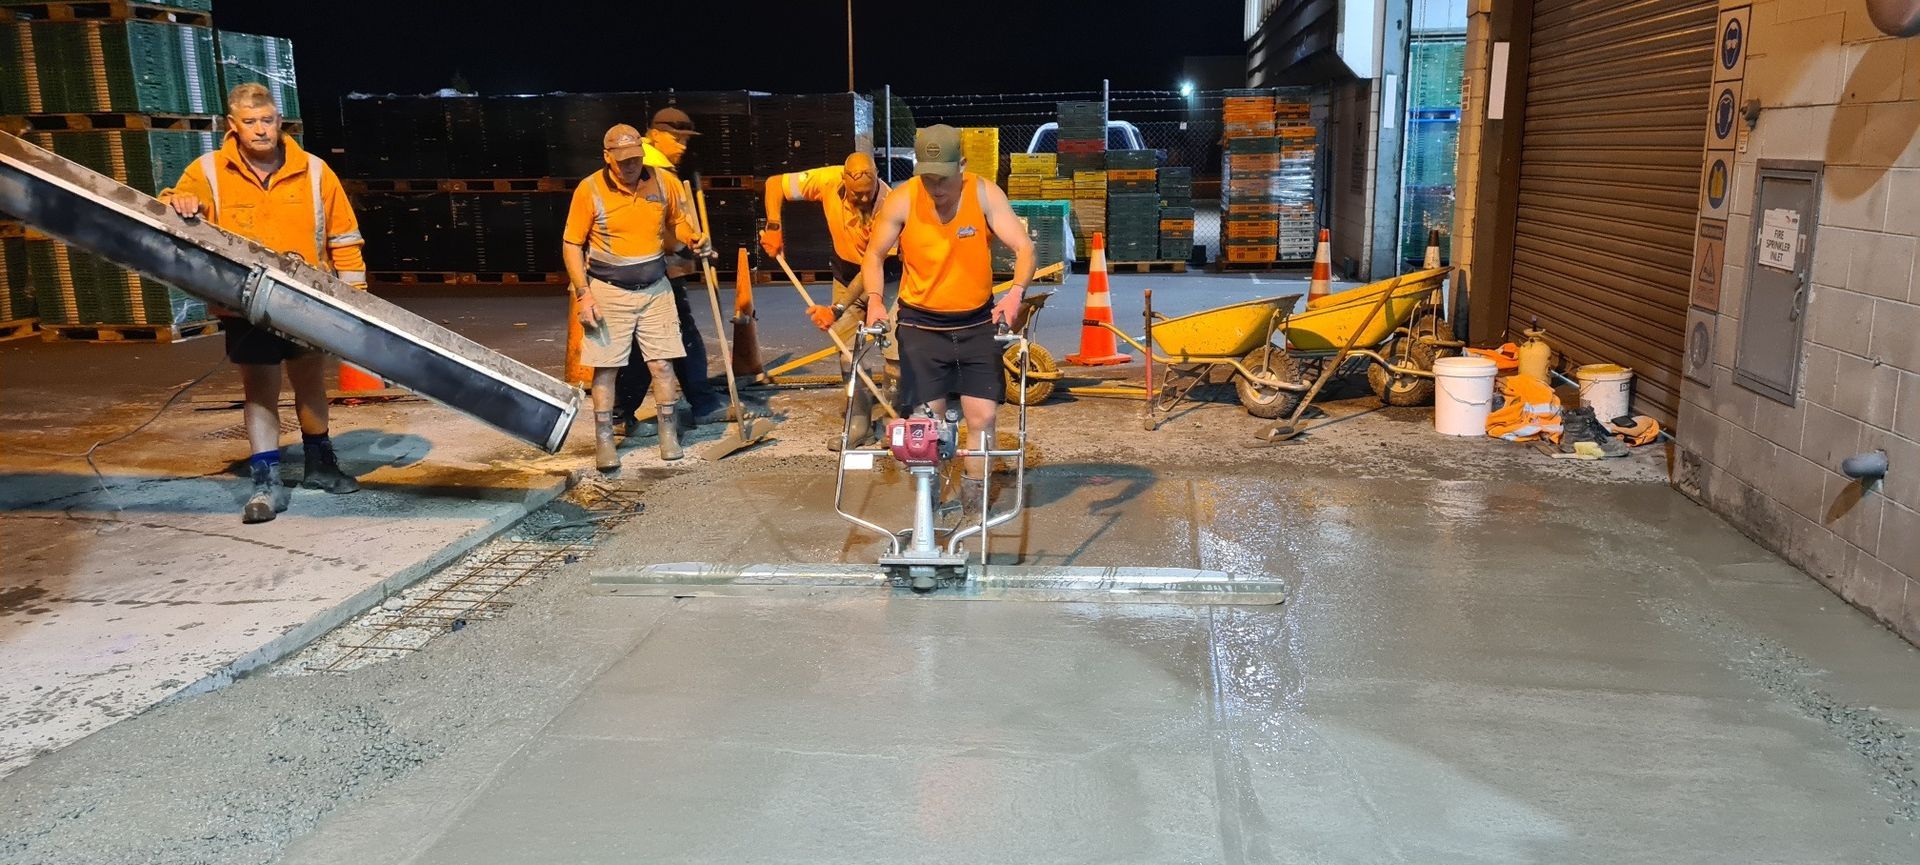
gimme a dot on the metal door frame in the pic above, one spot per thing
(1814, 172)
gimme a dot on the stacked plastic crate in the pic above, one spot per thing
(1294, 183)
(131, 98)
(1133, 206)
(1028, 173)
(980, 146)
(1082, 145)
(1049, 226)
(1175, 185)
(1249, 200)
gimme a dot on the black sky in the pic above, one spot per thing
(533, 46)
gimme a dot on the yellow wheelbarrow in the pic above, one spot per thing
(1392, 323)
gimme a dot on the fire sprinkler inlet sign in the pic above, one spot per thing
(1780, 238)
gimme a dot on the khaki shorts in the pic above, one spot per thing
(646, 315)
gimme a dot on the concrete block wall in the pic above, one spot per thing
(1836, 91)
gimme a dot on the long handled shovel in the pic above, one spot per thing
(879, 398)
(742, 431)
(1287, 429)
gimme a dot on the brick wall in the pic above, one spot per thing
(1835, 91)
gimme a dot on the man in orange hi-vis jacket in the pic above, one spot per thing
(262, 186)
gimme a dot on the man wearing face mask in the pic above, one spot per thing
(665, 148)
(624, 220)
(850, 195)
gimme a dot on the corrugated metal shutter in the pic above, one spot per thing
(1616, 110)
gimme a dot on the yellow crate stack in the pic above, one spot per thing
(981, 147)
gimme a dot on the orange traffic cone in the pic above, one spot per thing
(356, 380)
(746, 333)
(578, 374)
(1322, 284)
(1097, 347)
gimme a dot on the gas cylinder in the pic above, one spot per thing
(1536, 356)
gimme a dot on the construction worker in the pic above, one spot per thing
(262, 186)
(850, 195)
(947, 316)
(670, 133)
(624, 219)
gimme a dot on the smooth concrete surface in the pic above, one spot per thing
(1481, 661)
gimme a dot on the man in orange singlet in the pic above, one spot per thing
(947, 313)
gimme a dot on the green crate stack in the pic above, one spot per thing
(187, 5)
(1434, 73)
(248, 59)
(1133, 226)
(78, 288)
(99, 66)
(1176, 233)
(1049, 226)
(1131, 160)
(16, 295)
(1082, 137)
(149, 160)
(1175, 185)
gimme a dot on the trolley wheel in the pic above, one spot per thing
(1270, 402)
(1406, 390)
(1038, 360)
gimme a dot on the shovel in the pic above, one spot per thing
(1287, 429)
(742, 431)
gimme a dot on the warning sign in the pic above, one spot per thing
(1779, 245)
(1716, 185)
(1709, 264)
(1724, 120)
(1730, 50)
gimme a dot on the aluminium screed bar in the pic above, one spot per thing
(282, 293)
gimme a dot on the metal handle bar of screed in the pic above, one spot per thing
(863, 341)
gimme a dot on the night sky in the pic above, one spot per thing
(396, 46)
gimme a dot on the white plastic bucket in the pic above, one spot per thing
(1606, 388)
(1463, 395)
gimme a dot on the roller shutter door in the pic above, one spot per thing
(1616, 110)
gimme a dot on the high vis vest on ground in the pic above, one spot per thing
(1531, 411)
(301, 209)
(946, 267)
(849, 225)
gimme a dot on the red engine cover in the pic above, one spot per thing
(914, 441)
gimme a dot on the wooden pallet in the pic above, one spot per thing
(1225, 266)
(531, 184)
(762, 277)
(19, 328)
(727, 181)
(437, 277)
(106, 10)
(106, 121)
(1147, 266)
(155, 333)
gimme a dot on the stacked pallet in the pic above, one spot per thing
(980, 147)
(1056, 189)
(1267, 182)
(1049, 226)
(1082, 137)
(1176, 213)
(1089, 207)
(134, 92)
(1133, 206)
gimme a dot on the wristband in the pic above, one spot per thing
(772, 226)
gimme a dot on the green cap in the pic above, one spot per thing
(936, 150)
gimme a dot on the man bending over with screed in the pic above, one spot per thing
(262, 186)
(948, 317)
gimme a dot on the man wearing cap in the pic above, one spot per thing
(850, 195)
(624, 219)
(947, 317)
(666, 145)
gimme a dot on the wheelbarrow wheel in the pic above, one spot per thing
(1039, 360)
(1269, 402)
(1405, 390)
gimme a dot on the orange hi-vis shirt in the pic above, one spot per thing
(849, 225)
(624, 229)
(301, 209)
(945, 267)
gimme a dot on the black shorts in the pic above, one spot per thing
(935, 363)
(253, 345)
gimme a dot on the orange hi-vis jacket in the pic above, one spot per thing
(1532, 411)
(301, 209)
(850, 226)
(946, 267)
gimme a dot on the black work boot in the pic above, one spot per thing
(323, 469)
(265, 502)
(1579, 425)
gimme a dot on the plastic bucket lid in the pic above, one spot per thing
(1603, 372)
(1465, 367)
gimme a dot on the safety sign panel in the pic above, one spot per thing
(1723, 121)
(1716, 185)
(1709, 262)
(1730, 48)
